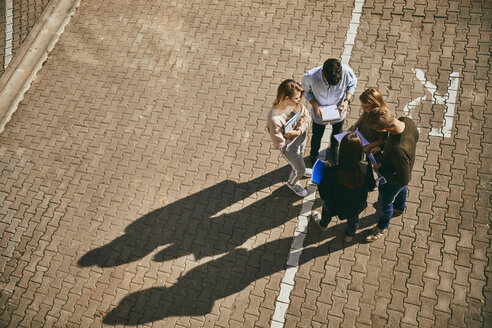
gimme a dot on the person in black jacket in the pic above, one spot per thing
(344, 187)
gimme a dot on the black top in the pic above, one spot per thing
(343, 201)
(399, 154)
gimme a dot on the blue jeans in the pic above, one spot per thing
(352, 222)
(391, 196)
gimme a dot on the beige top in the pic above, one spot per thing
(276, 120)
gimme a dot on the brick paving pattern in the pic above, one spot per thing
(16, 22)
(138, 186)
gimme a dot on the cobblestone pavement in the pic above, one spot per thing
(138, 185)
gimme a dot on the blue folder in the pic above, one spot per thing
(318, 169)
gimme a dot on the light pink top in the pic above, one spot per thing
(276, 120)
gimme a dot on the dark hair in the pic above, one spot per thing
(287, 89)
(332, 71)
(349, 173)
(380, 118)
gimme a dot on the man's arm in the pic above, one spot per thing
(356, 124)
(345, 103)
(316, 107)
(374, 144)
(308, 94)
(349, 90)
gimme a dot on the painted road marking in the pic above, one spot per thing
(449, 100)
(287, 284)
(9, 14)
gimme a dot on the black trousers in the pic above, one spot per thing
(318, 131)
(352, 222)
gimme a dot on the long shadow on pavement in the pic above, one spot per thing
(195, 292)
(203, 224)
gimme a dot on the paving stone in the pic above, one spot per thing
(137, 175)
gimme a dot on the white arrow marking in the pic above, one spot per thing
(449, 100)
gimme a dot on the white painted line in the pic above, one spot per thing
(414, 103)
(351, 39)
(450, 102)
(294, 257)
(283, 300)
(357, 7)
(276, 324)
(9, 35)
(449, 99)
(279, 314)
(297, 242)
(285, 293)
(289, 275)
(352, 31)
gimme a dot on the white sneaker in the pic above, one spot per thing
(308, 173)
(317, 219)
(298, 189)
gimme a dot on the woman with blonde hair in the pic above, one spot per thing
(293, 142)
(371, 98)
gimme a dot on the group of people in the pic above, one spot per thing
(345, 185)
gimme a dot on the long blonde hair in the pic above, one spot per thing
(287, 89)
(373, 98)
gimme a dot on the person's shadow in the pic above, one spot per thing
(196, 292)
(203, 224)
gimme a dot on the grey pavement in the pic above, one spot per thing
(138, 185)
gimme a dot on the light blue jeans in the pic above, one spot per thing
(292, 153)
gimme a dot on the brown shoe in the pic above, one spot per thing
(397, 213)
(374, 235)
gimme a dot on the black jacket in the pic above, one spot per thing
(343, 201)
(399, 154)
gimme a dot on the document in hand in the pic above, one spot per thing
(330, 113)
(292, 123)
(340, 136)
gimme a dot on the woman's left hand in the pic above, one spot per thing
(376, 167)
(292, 134)
(375, 150)
(301, 122)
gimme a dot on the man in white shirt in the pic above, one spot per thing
(330, 84)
